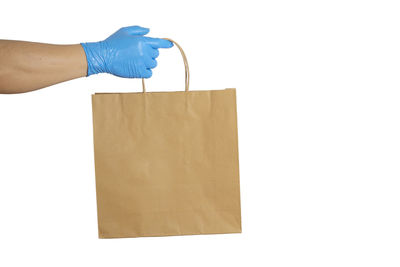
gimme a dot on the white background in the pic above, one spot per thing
(319, 136)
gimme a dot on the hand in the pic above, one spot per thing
(127, 53)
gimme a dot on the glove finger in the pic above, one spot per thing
(151, 52)
(154, 53)
(150, 63)
(158, 42)
(147, 73)
(136, 30)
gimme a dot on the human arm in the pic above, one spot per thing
(27, 66)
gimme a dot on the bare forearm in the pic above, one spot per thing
(27, 66)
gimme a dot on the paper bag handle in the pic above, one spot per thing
(184, 62)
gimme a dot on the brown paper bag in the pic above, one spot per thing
(166, 162)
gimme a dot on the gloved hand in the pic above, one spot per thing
(127, 53)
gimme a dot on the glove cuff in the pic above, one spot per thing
(95, 61)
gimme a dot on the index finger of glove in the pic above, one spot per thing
(158, 43)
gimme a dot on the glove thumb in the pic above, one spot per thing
(136, 30)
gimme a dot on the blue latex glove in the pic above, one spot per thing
(127, 53)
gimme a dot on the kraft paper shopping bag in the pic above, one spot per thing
(166, 162)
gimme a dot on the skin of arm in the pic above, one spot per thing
(28, 66)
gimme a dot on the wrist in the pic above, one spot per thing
(94, 57)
